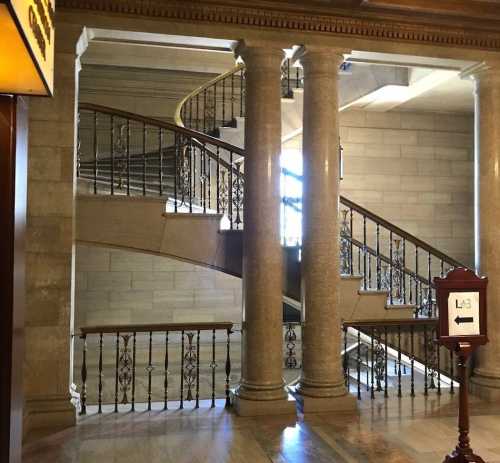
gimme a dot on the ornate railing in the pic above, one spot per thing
(121, 153)
(390, 259)
(215, 104)
(396, 355)
(132, 364)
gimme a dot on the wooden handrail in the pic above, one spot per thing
(392, 322)
(157, 327)
(165, 125)
(177, 118)
(400, 232)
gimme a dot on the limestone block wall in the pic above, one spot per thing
(120, 287)
(416, 170)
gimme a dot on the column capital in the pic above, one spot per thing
(246, 49)
(319, 54)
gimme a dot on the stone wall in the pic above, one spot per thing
(121, 287)
(416, 170)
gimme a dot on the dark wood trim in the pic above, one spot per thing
(158, 327)
(395, 322)
(13, 187)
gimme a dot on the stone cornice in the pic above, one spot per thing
(284, 16)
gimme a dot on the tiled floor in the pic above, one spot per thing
(393, 430)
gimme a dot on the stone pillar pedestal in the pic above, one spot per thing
(262, 390)
(486, 379)
(321, 386)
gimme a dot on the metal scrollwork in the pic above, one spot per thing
(397, 270)
(125, 368)
(345, 245)
(432, 362)
(379, 363)
(237, 197)
(223, 193)
(184, 175)
(190, 360)
(291, 343)
(120, 149)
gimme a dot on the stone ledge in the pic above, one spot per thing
(245, 407)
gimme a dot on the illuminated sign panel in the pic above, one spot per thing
(27, 47)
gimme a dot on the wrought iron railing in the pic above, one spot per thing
(390, 259)
(134, 364)
(401, 356)
(121, 153)
(215, 104)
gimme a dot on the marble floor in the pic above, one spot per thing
(394, 430)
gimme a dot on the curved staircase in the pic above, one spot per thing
(177, 190)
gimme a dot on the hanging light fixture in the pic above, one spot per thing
(27, 47)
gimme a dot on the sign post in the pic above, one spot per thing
(461, 298)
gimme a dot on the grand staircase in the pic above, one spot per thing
(177, 190)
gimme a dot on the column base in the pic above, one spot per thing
(338, 403)
(46, 415)
(485, 387)
(246, 407)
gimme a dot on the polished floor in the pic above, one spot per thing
(395, 431)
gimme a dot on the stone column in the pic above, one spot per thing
(261, 390)
(321, 386)
(486, 378)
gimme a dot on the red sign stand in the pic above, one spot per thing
(461, 298)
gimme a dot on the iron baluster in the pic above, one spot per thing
(191, 176)
(134, 350)
(213, 366)
(372, 366)
(116, 370)
(416, 281)
(190, 113)
(150, 368)
(217, 179)
(181, 405)
(232, 98)
(290, 340)
(438, 354)
(399, 360)
(99, 396)
(83, 397)
(367, 357)
(412, 360)
(165, 379)
(241, 93)
(358, 360)
(386, 392)
(228, 367)
(125, 377)
(426, 387)
(95, 152)
(230, 190)
(224, 101)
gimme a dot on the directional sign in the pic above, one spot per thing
(461, 300)
(463, 314)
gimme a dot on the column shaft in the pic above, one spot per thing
(322, 376)
(486, 380)
(262, 357)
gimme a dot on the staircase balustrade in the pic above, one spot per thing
(194, 349)
(396, 356)
(121, 153)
